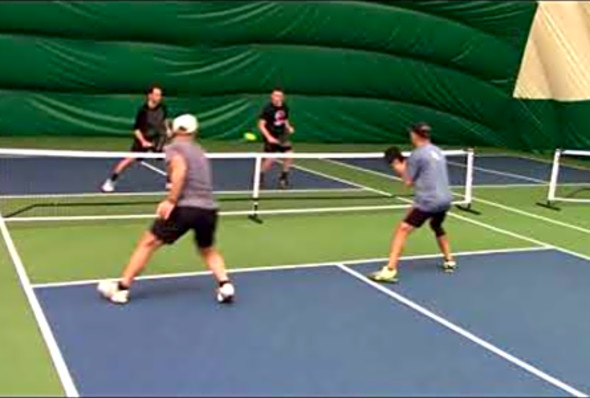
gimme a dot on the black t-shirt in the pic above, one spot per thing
(275, 118)
(151, 121)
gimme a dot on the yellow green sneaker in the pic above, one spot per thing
(385, 275)
(449, 266)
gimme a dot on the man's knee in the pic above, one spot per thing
(405, 228)
(151, 241)
(437, 228)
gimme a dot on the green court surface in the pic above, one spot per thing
(80, 250)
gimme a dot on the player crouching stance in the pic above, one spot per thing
(426, 172)
(189, 206)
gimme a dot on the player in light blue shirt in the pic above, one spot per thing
(426, 172)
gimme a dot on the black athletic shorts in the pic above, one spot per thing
(202, 222)
(277, 148)
(158, 145)
(416, 218)
(137, 147)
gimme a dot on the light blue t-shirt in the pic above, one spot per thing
(427, 167)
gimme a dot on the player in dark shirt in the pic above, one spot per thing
(150, 133)
(276, 131)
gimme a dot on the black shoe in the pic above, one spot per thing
(283, 183)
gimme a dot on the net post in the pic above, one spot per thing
(468, 197)
(554, 176)
(553, 182)
(469, 177)
(256, 190)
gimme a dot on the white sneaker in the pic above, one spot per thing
(225, 294)
(108, 186)
(110, 290)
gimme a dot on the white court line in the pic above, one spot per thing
(496, 229)
(479, 223)
(342, 180)
(502, 173)
(54, 351)
(292, 266)
(377, 173)
(464, 333)
(153, 168)
(565, 184)
(504, 231)
(538, 160)
(532, 215)
(391, 177)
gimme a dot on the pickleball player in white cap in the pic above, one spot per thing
(189, 206)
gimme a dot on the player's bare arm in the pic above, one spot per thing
(177, 177)
(267, 135)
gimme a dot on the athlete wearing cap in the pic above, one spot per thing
(189, 206)
(426, 172)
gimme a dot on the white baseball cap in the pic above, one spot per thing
(186, 122)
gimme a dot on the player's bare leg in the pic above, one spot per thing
(118, 292)
(287, 164)
(449, 264)
(445, 247)
(389, 272)
(267, 164)
(216, 264)
(147, 245)
(397, 244)
(120, 167)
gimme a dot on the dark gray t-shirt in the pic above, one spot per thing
(427, 167)
(198, 187)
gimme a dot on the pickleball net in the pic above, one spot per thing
(60, 185)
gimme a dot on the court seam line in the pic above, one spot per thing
(43, 325)
(391, 177)
(475, 185)
(520, 236)
(564, 184)
(153, 168)
(463, 332)
(292, 266)
(503, 173)
(532, 215)
(341, 180)
(540, 160)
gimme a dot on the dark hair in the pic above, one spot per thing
(422, 129)
(153, 87)
(278, 88)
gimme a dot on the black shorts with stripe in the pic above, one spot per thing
(203, 222)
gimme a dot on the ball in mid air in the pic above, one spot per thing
(250, 136)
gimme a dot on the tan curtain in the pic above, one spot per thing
(556, 63)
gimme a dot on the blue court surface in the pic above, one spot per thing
(326, 331)
(85, 176)
(491, 170)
